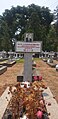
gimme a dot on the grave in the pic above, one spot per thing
(50, 60)
(7, 112)
(28, 58)
(3, 55)
(7, 63)
(57, 67)
(10, 61)
(2, 69)
(56, 56)
(53, 65)
(50, 103)
(4, 62)
(28, 47)
(45, 56)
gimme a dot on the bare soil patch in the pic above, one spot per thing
(10, 76)
(50, 75)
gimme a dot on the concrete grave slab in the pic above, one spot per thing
(4, 100)
(3, 69)
(51, 104)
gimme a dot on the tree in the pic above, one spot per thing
(4, 37)
(52, 40)
(18, 20)
(39, 21)
(56, 18)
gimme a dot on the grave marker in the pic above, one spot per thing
(28, 47)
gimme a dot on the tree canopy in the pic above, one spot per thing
(18, 20)
(52, 37)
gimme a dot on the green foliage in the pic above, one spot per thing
(56, 18)
(19, 20)
(52, 39)
(4, 37)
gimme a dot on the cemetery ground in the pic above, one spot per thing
(50, 76)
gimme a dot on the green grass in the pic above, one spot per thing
(20, 61)
(36, 59)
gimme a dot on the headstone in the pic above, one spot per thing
(1, 55)
(28, 47)
(51, 57)
(11, 54)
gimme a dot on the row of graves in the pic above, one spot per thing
(45, 54)
(49, 58)
(29, 98)
(2, 59)
(6, 60)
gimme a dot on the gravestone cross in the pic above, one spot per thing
(28, 47)
(28, 59)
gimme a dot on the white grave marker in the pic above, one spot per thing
(28, 47)
(31, 47)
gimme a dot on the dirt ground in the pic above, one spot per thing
(50, 75)
(10, 76)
